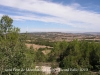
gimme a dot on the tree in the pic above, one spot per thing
(5, 25)
(13, 52)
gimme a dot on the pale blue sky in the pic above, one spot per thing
(53, 15)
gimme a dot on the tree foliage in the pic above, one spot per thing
(77, 54)
(13, 52)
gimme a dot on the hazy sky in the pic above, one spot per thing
(53, 15)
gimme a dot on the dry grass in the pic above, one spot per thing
(37, 46)
(46, 51)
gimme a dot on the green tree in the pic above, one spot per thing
(13, 52)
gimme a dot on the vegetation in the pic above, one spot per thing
(77, 54)
(41, 41)
(16, 57)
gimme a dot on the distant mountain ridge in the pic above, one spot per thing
(93, 33)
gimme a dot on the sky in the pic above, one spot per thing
(53, 15)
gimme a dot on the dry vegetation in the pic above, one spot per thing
(46, 51)
(37, 46)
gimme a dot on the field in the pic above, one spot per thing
(36, 47)
(58, 36)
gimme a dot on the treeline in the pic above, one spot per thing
(41, 41)
(77, 54)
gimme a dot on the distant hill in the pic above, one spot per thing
(93, 33)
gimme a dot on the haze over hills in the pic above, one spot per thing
(92, 33)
